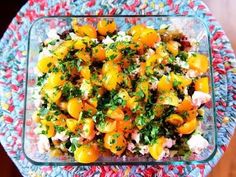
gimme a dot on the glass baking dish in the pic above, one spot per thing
(193, 27)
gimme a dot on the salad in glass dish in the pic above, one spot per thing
(105, 92)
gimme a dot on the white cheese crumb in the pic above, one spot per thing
(197, 143)
(123, 37)
(192, 73)
(107, 40)
(199, 98)
(86, 89)
(43, 144)
(60, 136)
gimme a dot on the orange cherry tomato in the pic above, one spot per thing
(86, 153)
(72, 124)
(124, 125)
(185, 105)
(50, 128)
(89, 108)
(80, 45)
(202, 85)
(84, 56)
(164, 84)
(74, 107)
(199, 63)
(88, 131)
(110, 80)
(116, 114)
(85, 72)
(55, 79)
(173, 47)
(115, 142)
(109, 125)
(102, 27)
(46, 63)
(99, 53)
(113, 55)
(175, 119)
(188, 127)
(149, 37)
(88, 30)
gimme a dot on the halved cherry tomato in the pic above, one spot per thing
(202, 85)
(74, 107)
(72, 125)
(55, 79)
(115, 142)
(175, 119)
(109, 125)
(46, 63)
(188, 127)
(116, 114)
(86, 153)
(88, 131)
(156, 149)
(149, 37)
(173, 47)
(99, 53)
(199, 63)
(164, 84)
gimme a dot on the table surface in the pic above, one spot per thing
(224, 11)
(227, 165)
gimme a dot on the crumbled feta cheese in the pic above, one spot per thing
(44, 53)
(197, 143)
(154, 82)
(199, 98)
(143, 149)
(74, 36)
(107, 40)
(136, 136)
(43, 144)
(169, 143)
(149, 53)
(123, 37)
(182, 64)
(192, 73)
(60, 136)
(52, 34)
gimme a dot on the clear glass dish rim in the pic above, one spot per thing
(180, 162)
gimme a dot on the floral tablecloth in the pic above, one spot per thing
(13, 47)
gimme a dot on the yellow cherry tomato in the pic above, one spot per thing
(99, 53)
(85, 72)
(164, 84)
(50, 128)
(156, 149)
(74, 107)
(115, 142)
(108, 66)
(79, 45)
(55, 79)
(149, 37)
(114, 55)
(175, 119)
(202, 85)
(110, 80)
(132, 103)
(86, 153)
(199, 63)
(53, 94)
(46, 63)
(88, 131)
(88, 30)
(142, 90)
(188, 127)
(136, 31)
(72, 125)
(168, 98)
(124, 125)
(63, 49)
(180, 81)
(84, 56)
(116, 114)
(111, 26)
(173, 47)
(109, 125)
(102, 27)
